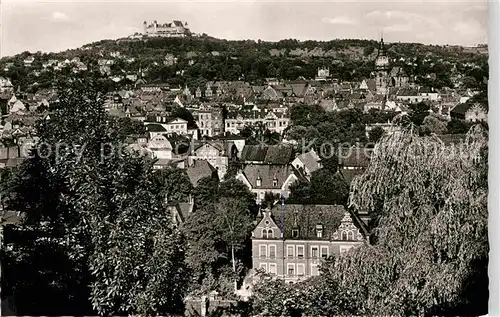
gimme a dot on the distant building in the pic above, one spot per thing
(173, 29)
(29, 61)
(385, 77)
(6, 86)
(217, 153)
(291, 241)
(266, 178)
(274, 121)
(473, 112)
(210, 121)
(199, 170)
(323, 74)
(178, 126)
(160, 147)
(307, 163)
(353, 161)
(169, 60)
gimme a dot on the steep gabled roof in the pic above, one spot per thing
(267, 174)
(355, 157)
(462, 108)
(270, 154)
(310, 160)
(200, 169)
(305, 218)
(154, 127)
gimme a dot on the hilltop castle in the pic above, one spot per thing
(173, 29)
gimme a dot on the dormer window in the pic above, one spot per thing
(295, 233)
(319, 230)
(275, 182)
(259, 181)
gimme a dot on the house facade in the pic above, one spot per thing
(472, 112)
(291, 241)
(214, 153)
(160, 147)
(178, 126)
(210, 121)
(274, 121)
(267, 178)
(476, 113)
(173, 29)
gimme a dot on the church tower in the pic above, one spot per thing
(382, 69)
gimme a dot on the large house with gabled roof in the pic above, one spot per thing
(291, 241)
(473, 112)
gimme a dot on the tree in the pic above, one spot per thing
(429, 251)
(326, 187)
(375, 134)
(419, 112)
(235, 223)
(174, 184)
(129, 127)
(456, 126)
(217, 234)
(433, 124)
(95, 232)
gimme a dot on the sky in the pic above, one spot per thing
(56, 25)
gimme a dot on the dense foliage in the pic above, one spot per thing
(95, 237)
(218, 235)
(429, 249)
(253, 61)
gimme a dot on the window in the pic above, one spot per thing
(272, 251)
(263, 266)
(324, 252)
(270, 233)
(344, 235)
(290, 269)
(289, 251)
(264, 233)
(314, 252)
(344, 249)
(314, 270)
(350, 236)
(301, 269)
(275, 182)
(300, 251)
(263, 251)
(319, 233)
(272, 268)
(259, 181)
(295, 233)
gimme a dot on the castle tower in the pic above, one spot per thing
(145, 26)
(382, 69)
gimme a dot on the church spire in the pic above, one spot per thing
(381, 48)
